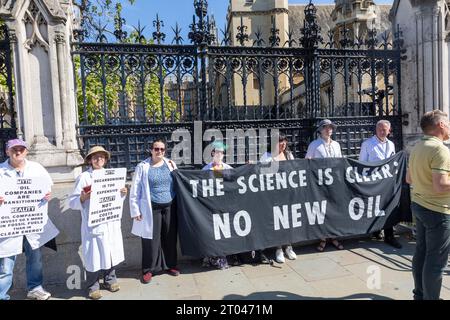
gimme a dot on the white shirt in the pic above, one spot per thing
(374, 150)
(320, 149)
(13, 245)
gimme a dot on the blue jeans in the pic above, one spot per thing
(33, 269)
(432, 249)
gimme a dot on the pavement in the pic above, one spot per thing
(366, 269)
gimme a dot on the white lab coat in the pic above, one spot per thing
(140, 201)
(13, 245)
(102, 245)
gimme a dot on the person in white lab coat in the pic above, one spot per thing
(153, 208)
(18, 166)
(102, 245)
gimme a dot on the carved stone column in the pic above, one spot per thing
(425, 69)
(44, 83)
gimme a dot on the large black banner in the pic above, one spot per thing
(264, 205)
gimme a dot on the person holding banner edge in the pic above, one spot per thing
(102, 245)
(377, 148)
(281, 153)
(429, 176)
(18, 166)
(325, 147)
(216, 166)
(153, 208)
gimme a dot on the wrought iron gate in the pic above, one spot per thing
(7, 114)
(133, 90)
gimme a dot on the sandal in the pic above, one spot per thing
(337, 244)
(322, 245)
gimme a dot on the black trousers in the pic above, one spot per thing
(160, 253)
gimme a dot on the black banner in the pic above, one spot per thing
(264, 205)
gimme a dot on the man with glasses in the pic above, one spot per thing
(428, 173)
(18, 166)
(378, 148)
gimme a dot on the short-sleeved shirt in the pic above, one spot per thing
(428, 156)
(161, 184)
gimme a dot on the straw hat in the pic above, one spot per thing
(96, 149)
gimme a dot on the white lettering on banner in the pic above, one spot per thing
(281, 216)
(247, 223)
(222, 225)
(316, 212)
(327, 173)
(281, 181)
(353, 176)
(242, 185)
(357, 214)
(219, 184)
(255, 183)
(194, 184)
(208, 187)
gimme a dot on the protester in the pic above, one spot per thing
(325, 147)
(281, 153)
(216, 166)
(102, 245)
(428, 173)
(17, 166)
(153, 208)
(378, 148)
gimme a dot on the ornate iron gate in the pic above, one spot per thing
(131, 91)
(7, 114)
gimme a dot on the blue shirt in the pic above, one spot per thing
(161, 184)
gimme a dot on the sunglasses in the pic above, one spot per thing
(159, 149)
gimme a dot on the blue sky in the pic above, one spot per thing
(181, 11)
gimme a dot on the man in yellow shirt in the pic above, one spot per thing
(429, 176)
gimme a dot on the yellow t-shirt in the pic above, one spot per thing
(429, 155)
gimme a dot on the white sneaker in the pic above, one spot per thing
(38, 293)
(290, 253)
(279, 256)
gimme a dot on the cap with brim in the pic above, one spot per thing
(324, 123)
(96, 149)
(219, 146)
(15, 143)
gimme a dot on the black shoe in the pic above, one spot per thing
(264, 259)
(393, 242)
(377, 235)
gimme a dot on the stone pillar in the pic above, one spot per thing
(425, 70)
(44, 83)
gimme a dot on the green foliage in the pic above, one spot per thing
(133, 94)
(99, 12)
